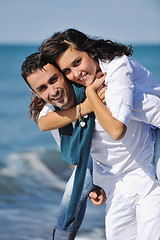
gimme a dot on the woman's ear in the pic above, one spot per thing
(92, 55)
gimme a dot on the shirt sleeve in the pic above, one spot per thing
(120, 89)
(46, 109)
(146, 108)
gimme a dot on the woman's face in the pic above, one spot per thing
(78, 66)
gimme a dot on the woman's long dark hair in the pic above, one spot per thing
(54, 47)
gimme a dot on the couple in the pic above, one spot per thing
(122, 144)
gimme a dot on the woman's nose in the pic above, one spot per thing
(75, 73)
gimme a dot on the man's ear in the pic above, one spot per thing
(34, 93)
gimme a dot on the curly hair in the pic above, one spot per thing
(55, 46)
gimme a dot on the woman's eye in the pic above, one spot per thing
(77, 62)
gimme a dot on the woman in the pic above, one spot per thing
(125, 148)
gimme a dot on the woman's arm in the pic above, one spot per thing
(112, 126)
(61, 118)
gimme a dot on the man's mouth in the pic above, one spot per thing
(57, 97)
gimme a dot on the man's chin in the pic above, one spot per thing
(59, 104)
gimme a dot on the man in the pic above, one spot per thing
(51, 87)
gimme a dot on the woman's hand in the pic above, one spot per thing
(115, 128)
(101, 88)
(97, 84)
(101, 93)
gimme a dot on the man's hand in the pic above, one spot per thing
(97, 196)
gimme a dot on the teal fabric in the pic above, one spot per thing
(75, 149)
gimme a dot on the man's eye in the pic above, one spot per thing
(42, 89)
(53, 80)
(66, 71)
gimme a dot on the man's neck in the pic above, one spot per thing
(71, 99)
(70, 104)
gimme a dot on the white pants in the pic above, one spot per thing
(131, 217)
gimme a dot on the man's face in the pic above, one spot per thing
(50, 85)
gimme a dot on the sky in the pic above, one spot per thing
(125, 21)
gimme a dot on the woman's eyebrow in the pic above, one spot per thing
(74, 60)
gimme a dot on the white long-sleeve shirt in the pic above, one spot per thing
(131, 90)
(132, 94)
(129, 99)
(112, 160)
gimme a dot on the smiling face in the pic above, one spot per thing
(78, 66)
(50, 85)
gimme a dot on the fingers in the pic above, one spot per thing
(101, 93)
(104, 195)
(99, 74)
(93, 195)
(102, 96)
(96, 84)
(95, 199)
(102, 89)
(98, 197)
(100, 80)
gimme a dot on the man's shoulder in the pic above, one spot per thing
(49, 106)
(46, 109)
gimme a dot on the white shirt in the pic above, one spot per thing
(130, 86)
(129, 159)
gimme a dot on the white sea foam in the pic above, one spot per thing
(30, 165)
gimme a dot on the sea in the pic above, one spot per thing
(32, 173)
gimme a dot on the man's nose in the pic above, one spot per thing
(52, 90)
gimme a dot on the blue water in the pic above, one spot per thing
(32, 174)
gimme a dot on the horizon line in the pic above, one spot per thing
(39, 43)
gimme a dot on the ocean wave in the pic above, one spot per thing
(37, 168)
(31, 186)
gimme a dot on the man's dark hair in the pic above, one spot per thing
(32, 64)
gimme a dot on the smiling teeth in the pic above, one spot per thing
(82, 78)
(56, 98)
